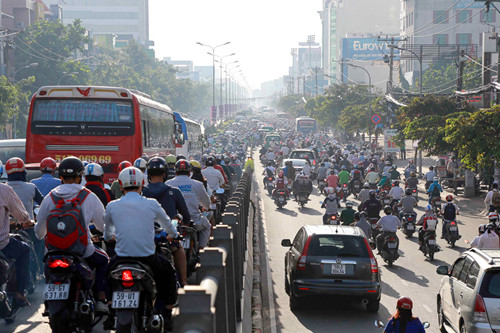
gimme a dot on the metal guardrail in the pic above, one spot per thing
(215, 304)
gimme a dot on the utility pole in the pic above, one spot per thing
(1, 45)
(304, 85)
(461, 66)
(316, 75)
(392, 40)
(486, 78)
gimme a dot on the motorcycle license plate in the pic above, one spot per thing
(391, 245)
(453, 228)
(335, 269)
(213, 206)
(125, 300)
(410, 227)
(186, 242)
(281, 199)
(432, 242)
(56, 291)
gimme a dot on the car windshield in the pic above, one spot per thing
(337, 246)
(491, 284)
(301, 155)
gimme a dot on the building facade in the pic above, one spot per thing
(442, 27)
(126, 19)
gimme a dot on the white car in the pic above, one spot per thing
(297, 164)
(9, 149)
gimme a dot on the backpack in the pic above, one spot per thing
(66, 226)
(269, 173)
(435, 191)
(449, 212)
(495, 200)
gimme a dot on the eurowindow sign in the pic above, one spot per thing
(368, 49)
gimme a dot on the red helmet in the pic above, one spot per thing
(449, 197)
(123, 165)
(15, 164)
(404, 303)
(48, 164)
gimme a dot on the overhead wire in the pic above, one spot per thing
(452, 27)
(438, 17)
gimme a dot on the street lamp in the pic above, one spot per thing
(419, 61)
(66, 74)
(220, 66)
(35, 64)
(213, 48)
(226, 70)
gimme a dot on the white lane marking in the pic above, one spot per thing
(272, 311)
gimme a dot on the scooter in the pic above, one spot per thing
(429, 246)
(389, 250)
(302, 199)
(321, 184)
(356, 187)
(436, 205)
(408, 224)
(280, 198)
(451, 234)
(375, 231)
(331, 219)
(344, 192)
(269, 185)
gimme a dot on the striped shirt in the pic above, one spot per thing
(10, 204)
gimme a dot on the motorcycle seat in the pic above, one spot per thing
(126, 262)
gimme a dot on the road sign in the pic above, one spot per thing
(389, 145)
(380, 126)
(376, 119)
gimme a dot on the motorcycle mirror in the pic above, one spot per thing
(379, 324)
(426, 324)
(220, 191)
(373, 245)
(321, 202)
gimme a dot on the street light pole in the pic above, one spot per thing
(213, 48)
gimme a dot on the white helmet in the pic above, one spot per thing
(140, 163)
(93, 169)
(131, 177)
(428, 208)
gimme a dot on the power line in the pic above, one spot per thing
(33, 40)
(454, 26)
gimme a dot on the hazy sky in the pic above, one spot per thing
(261, 32)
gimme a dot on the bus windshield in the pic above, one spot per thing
(82, 117)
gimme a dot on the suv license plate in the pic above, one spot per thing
(186, 242)
(432, 242)
(391, 245)
(453, 228)
(337, 269)
(56, 291)
(125, 300)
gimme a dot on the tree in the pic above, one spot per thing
(475, 137)
(443, 78)
(14, 104)
(424, 119)
(356, 118)
(291, 104)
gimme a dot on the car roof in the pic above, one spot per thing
(295, 160)
(13, 143)
(308, 150)
(488, 256)
(333, 230)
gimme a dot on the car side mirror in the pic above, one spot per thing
(286, 243)
(442, 270)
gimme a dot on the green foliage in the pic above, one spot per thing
(424, 119)
(475, 137)
(356, 118)
(443, 79)
(14, 103)
(291, 104)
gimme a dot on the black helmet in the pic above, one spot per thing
(408, 191)
(210, 161)
(157, 165)
(71, 167)
(269, 163)
(363, 214)
(356, 216)
(180, 157)
(182, 166)
(372, 194)
(388, 210)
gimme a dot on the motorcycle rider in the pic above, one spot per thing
(236, 167)
(387, 167)
(302, 184)
(372, 206)
(489, 240)
(411, 167)
(361, 222)
(347, 215)
(13, 248)
(173, 203)
(93, 173)
(70, 171)
(403, 320)
(170, 160)
(322, 170)
(396, 193)
(394, 173)
(389, 224)
(289, 170)
(364, 195)
(344, 177)
(331, 203)
(384, 182)
(492, 199)
(307, 169)
(449, 212)
(47, 182)
(115, 187)
(434, 190)
(356, 175)
(423, 221)
(372, 178)
(408, 202)
(195, 195)
(213, 176)
(475, 241)
(197, 175)
(412, 182)
(142, 164)
(332, 180)
(269, 171)
(280, 184)
(429, 177)
(130, 221)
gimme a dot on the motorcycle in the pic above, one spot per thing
(331, 219)
(321, 184)
(216, 205)
(344, 192)
(133, 297)
(408, 224)
(389, 250)
(302, 199)
(451, 234)
(429, 245)
(269, 185)
(436, 205)
(289, 186)
(70, 304)
(375, 231)
(414, 193)
(356, 187)
(280, 198)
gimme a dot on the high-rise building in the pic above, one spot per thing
(343, 17)
(126, 19)
(442, 27)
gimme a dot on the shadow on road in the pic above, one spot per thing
(408, 275)
(310, 211)
(287, 212)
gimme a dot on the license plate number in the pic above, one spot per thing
(410, 227)
(453, 228)
(186, 242)
(432, 242)
(281, 199)
(125, 300)
(56, 291)
(391, 245)
(213, 206)
(337, 269)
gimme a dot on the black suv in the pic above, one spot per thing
(331, 260)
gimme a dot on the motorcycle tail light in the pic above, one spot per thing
(59, 263)
(453, 223)
(392, 239)
(270, 178)
(333, 217)
(127, 279)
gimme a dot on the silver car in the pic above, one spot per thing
(469, 297)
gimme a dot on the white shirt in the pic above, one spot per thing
(270, 156)
(307, 169)
(389, 223)
(489, 197)
(489, 241)
(285, 150)
(429, 176)
(396, 193)
(213, 176)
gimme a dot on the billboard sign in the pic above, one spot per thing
(389, 145)
(366, 49)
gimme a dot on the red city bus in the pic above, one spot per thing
(105, 125)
